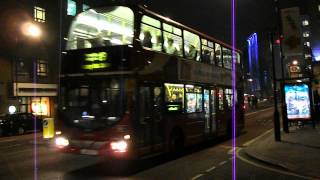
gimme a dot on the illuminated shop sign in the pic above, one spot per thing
(94, 61)
(40, 106)
(298, 101)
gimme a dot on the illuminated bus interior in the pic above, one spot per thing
(101, 27)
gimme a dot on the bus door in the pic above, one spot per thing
(222, 115)
(150, 133)
(210, 111)
(213, 109)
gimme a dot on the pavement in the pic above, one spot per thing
(298, 151)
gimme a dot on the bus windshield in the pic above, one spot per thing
(94, 104)
(101, 27)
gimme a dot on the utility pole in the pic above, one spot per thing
(276, 118)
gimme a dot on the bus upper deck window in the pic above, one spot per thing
(101, 27)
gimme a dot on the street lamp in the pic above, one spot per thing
(31, 30)
(28, 29)
(295, 62)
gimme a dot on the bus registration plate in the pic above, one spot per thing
(88, 151)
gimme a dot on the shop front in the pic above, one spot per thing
(38, 99)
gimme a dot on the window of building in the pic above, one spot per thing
(207, 55)
(306, 34)
(227, 58)
(172, 40)
(218, 53)
(307, 56)
(42, 68)
(191, 45)
(85, 7)
(305, 23)
(307, 43)
(72, 8)
(39, 14)
(193, 99)
(150, 35)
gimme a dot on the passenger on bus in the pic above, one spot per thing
(192, 54)
(146, 42)
(158, 45)
(97, 41)
(206, 56)
(170, 49)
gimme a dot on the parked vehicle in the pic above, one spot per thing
(19, 123)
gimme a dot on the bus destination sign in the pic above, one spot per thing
(95, 61)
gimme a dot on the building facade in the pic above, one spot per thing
(29, 56)
(300, 30)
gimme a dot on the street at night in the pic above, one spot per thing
(159, 90)
(205, 162)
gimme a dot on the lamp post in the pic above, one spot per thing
(276, 118)
(30, 30)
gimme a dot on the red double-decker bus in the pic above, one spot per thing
(135, 84)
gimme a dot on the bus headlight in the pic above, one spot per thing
(119, 146)
(62, 141)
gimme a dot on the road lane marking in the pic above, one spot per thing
(247, 114)
(197, 176)
(231, 150)
(269, 168)
(210, 169)
(257, 138)
(222, 163)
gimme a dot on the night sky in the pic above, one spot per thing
(213, 16)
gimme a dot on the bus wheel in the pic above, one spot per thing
(176, 142)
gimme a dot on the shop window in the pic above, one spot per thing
(191, 45)
(150, 35)
(72, 8)
(42, 68)
(218, 53)
(207, 55)
(40, 106)
(172, 40)
(39, 14)
(174, 93)
(193, 99)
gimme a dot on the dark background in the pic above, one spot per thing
(213, 17)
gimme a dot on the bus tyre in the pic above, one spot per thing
(176, 143)
(1, 132)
